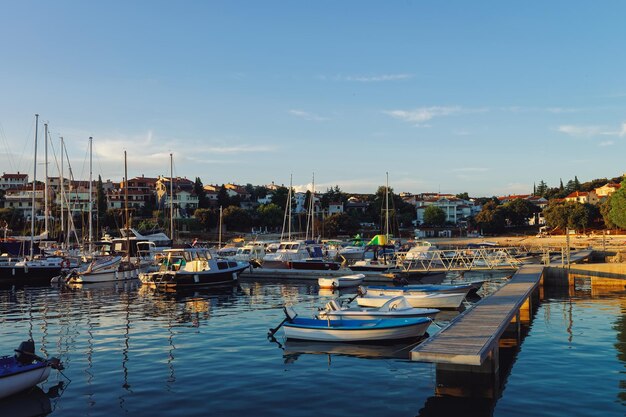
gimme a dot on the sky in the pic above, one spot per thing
(484, 97)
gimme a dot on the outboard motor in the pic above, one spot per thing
(25, 354)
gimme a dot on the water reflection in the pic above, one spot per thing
(188, 306)
(31, 403)
(293, 349)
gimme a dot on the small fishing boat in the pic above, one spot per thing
(396, 307)
(353, 330)
(341, 282)
(24, 370)
(105, 269)
(372, 298)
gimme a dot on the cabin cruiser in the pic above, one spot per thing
(192, 267)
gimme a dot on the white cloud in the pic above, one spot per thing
(606, 143)
(422, 114)
(588, 131)
(307, 115)
(378, 78)
(580, 130)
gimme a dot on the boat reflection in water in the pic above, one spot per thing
(294, 348)
(30, 403)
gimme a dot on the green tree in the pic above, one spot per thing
(605, 211)
(491, 218)
(340, 224)
(333, 195)
(270, 215)
(434, 216)
(223, 200)
(618, 206)
(519, 211)
(236, 218)
(207, 218)
(101, 199)
(463, 196)
(542, 189)
(198, 188)
(279, 197)
(556, 215)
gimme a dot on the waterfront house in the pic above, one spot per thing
(606, 190)
(583, 197)
(13, 180)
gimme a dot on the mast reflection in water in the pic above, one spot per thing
(132, 350)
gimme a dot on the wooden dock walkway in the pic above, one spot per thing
(474, 335)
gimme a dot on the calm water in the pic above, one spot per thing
(130, 350)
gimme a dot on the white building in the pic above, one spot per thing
(455, 209)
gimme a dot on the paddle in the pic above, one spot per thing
(288, 313)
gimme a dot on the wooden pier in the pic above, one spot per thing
(466, 352)
(473, 336)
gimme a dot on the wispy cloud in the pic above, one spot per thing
(606, 143)
(554, 110)
(307, 115)
(422, 114)
(589, 131)
(377, 78)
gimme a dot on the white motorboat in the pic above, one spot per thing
(428, 299)
(104, 269)
(396, 307)
(341, 282)
(193, 267)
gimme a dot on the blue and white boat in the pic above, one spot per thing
(353, 330)
(394, 308)
(24, 370)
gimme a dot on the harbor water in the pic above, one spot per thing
(130, 350)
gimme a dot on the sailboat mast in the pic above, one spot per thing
(126, 207)
(289, 205)
(62, 189)
(32, 209)
(91, 196)
(311, 210)
(172, 198)
(45, 190)
(219, 232)
(387, 208)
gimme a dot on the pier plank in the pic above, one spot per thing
(471, 336)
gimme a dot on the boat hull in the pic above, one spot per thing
(20, 275)
(191, 279)
(369, 314)
(104, 276)
(340, 282)
(431, 300)
(314, 265)
(24, 377)
(355, 330)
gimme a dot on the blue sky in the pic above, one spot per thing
(485, 97)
